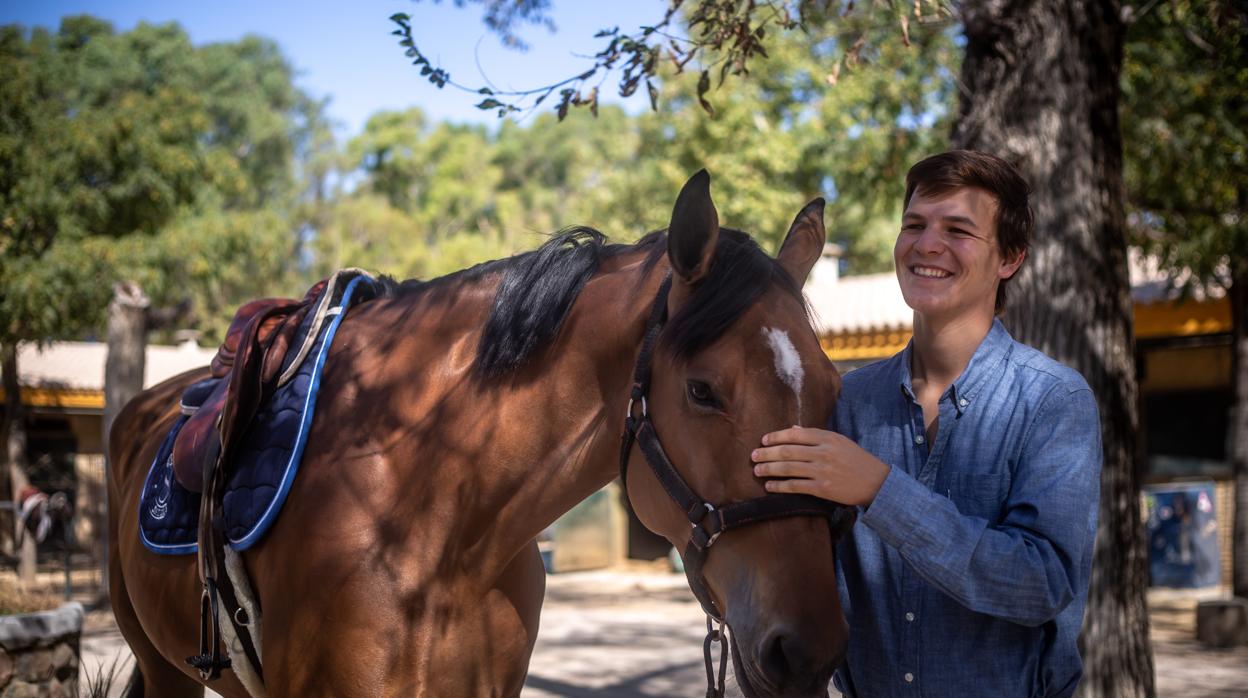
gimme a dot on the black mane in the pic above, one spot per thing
(539, 287)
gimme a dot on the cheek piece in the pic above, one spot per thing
(708, 521)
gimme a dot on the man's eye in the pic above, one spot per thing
(958, 231)
(701, 394)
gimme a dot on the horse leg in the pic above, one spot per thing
(153, 675)
(523, 586)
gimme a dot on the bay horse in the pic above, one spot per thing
(459, 417)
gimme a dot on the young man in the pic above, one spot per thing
(975, 461)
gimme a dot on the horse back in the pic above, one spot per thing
(134, 431)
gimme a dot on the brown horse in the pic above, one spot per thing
(461, 416)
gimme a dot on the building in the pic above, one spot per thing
(63, 391)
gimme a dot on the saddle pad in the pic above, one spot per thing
(266, 463)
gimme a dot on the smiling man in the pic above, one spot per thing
(975, 459)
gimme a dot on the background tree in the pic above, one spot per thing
(1042, 89)
(122, 156)
(1185, 82)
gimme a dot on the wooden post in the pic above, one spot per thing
(123, 379)
(15, 457)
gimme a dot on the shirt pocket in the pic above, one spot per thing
(981, 495)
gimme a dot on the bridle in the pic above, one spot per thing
(709, 521)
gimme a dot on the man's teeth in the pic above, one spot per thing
(929, 272)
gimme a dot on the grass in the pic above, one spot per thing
(14, 600)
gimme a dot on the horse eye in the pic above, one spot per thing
(701, 394)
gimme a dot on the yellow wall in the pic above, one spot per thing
(1152, 321)
(1186, 368)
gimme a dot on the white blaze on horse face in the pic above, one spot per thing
(788, 362)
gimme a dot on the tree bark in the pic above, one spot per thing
(1238, 293)
(15, 457)
(127, 350)
(1041, 88)
(123, 379)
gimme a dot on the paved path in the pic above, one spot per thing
(637, 633)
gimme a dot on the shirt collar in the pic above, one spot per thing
(994, 348)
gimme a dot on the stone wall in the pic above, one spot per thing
(39, 653)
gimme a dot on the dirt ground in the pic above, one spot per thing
(637, 633)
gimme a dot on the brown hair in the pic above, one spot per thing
(955, 169)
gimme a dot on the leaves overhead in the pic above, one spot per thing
(718, 38)
(1185, 124)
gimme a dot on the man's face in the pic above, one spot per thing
(948, 261)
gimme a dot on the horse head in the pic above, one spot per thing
(737, 358)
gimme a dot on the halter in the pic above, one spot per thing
(709, 522)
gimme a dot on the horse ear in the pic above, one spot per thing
(804, 243)
(694, 229)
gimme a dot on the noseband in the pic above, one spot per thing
(709, 521)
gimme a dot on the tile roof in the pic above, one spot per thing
(839, 305)
(80, 365)
(873, 302)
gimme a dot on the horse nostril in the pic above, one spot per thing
(783, 659)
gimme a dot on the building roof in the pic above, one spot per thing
(873, 302)
(80, 365)
(858, 303)
(869, 303)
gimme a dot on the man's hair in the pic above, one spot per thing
(943, 173)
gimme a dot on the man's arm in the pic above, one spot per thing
(1025, 569)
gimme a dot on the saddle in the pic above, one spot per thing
(243, 372)
(254, 360)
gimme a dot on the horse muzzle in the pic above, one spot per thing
(785, 661)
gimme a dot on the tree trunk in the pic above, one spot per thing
(1041, 88)
(127, 350)
(1238, 293)
(123, 379)
(15, 456)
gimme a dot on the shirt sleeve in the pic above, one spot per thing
(1027, 568)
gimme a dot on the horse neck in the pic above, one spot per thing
(575, 396)
(530, 445)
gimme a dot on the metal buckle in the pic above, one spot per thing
(710, 540)
(629, 412)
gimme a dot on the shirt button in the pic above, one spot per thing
(910, 617)
(918, 439)
(909, 677)
(964, 402)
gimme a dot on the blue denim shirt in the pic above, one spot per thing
(968, 573)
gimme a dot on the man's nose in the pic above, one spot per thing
(930, 241)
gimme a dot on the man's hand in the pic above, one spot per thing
(819, 462)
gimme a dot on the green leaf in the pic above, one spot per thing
(704, 84)
(489, 104)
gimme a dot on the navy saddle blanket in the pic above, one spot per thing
(267, 460)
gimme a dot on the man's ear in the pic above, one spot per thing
(691, 237)
(1009, 267)
(803, 245)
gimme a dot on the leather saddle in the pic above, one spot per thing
(244, 372)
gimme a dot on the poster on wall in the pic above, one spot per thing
(1182, 535)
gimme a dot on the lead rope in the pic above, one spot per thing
(714, 688)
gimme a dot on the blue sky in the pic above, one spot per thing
(343, 50)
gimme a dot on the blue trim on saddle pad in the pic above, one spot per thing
(168, 513)
(265, 465)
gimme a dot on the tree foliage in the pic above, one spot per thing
(1185, 82)
(713, 39)
(121, 153)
